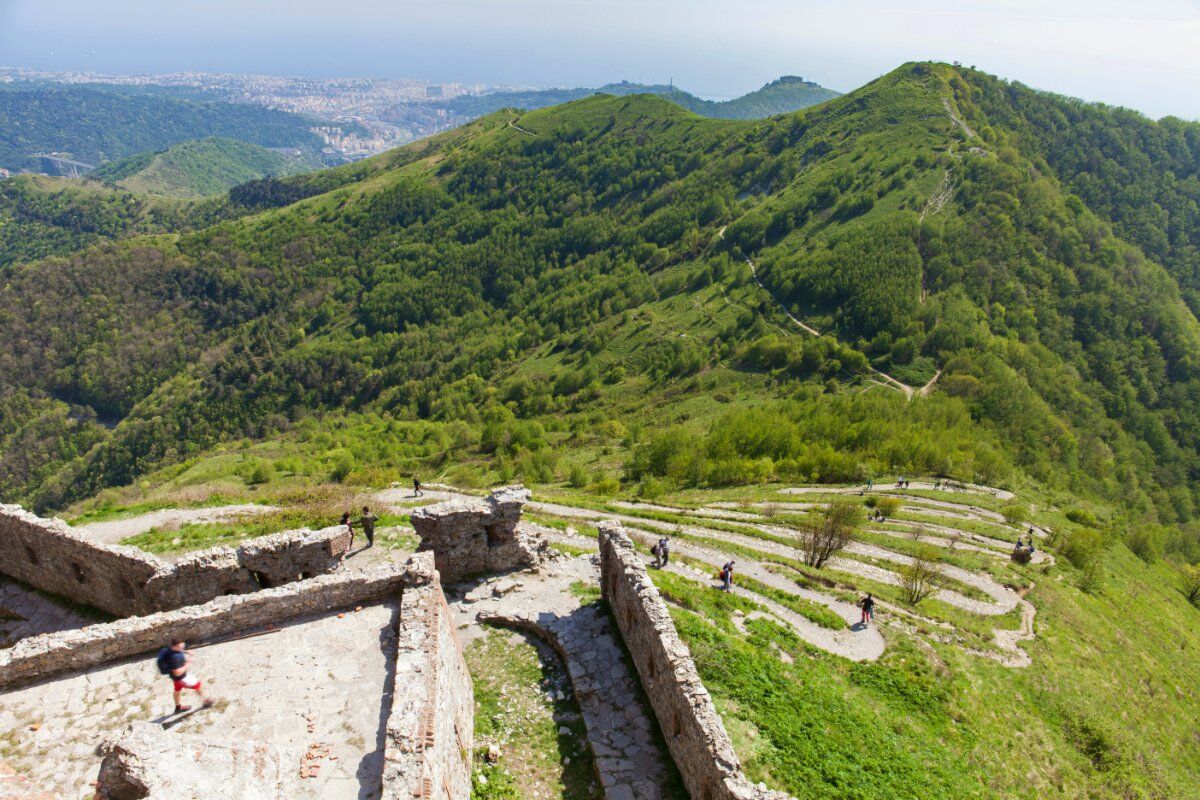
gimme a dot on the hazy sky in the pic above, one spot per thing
(1144, 54)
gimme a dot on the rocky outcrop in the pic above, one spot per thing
(145, 762)
(690, 723)
(473, 537)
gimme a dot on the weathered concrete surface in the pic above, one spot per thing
(431, 728)
(471, 536)
(629, 762)
(145, 762)
(40, 657)
(320, 681)
(48, 554)
(693, 729)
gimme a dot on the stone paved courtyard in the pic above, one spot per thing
(318, 681)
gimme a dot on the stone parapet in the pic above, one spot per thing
(431, 728)
(48, 655)
(48, 554)
(690, 723)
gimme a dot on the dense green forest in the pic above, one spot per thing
(577, 276)
(780, 96)
(98, 125)
(198, 168)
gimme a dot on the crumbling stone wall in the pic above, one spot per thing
(693, 730)
(124, 581)
(431, 728)
(40, 657)
(48, 555)
(471, 537)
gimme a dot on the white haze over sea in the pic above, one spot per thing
(1144, 55)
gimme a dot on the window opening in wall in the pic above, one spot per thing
(80, 575)
(31, 554)
(492, 530)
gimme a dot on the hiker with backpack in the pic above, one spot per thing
(173, 662)
(664, 552)
(417, 487)
(867, 604)
(727, 576)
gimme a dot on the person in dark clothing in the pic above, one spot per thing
(664, 551)
(867, 604)
(367, 521)
(727, 576)
(173, 662)
(417, 487)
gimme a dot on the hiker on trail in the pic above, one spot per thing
(867, 604)
(656, 551)
(368, 520)
(937, 484)
(417, 487)
(664, 552)
(173, 662)
(870, 484)
(727, 576)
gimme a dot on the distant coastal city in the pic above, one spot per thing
(354, 117)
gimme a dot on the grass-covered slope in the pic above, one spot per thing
(553, 272)
(198, 168)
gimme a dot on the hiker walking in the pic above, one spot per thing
(367, 521)
(664, 552)
(727, 576)
(173, 662)
(656, 551)
(417, 487)
(867, 604)
(870, 484)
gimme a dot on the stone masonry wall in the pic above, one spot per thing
(124, 581)
(431, 728)
(694, 732)
(471, 537)
(41, 657)
(48, 555)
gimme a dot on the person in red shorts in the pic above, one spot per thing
(173, 662)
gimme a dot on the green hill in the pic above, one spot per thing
(95, 125)
(198, 168)
(781, 96)
(616, 296)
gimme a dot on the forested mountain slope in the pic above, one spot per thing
(566, 266)
(96, 125)
(198, 168)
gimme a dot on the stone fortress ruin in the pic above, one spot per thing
(392, 677)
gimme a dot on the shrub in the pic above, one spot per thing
(1189, 578)
(1015, 513)
(888, 506)
(1146, 542)
(341, 464)
(921, 577)
(1021, 555)
(577, 478)
(825, 534)
(605, 486)
(1081, 517)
